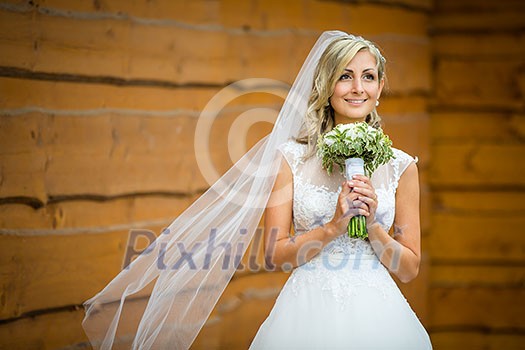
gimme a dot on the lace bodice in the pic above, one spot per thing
(315, 195)
(346, 263)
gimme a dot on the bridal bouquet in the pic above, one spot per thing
(348, 144)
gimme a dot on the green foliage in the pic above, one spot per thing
(355, 140)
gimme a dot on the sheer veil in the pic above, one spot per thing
(164, 297)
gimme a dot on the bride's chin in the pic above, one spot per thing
(352, 119)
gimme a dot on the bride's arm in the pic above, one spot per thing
(281, 248)
(401, 254)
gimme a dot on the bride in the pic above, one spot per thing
(340, 294)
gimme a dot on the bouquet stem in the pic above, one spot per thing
(357, 227)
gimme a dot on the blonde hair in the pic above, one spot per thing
(320, 116)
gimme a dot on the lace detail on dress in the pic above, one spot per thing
(348, 246)
(293, 152)
(314, 201)
(313, 205)
(342, 277)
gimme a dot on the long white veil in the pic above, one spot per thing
(163, 298)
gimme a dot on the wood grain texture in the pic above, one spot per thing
(44, 272)
(485, 275)
(477, 226)
(476, 241)
(115, 47)
(479, 81)
(477, 238)
(477, 165)
(444, 6)
(476, 21)
(57, 330)
(486, 308)
(91, 213)
(495, 46)
(489, 340)
(453, 128)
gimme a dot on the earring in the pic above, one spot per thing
(377, 103)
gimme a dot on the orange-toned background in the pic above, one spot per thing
(98, 106)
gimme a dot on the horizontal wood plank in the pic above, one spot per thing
(477, 307)
(482, 46)
(477, 165)
(108, 47)
(75, 213)
(55, 330)
(464, 6)
(463, 127)
(479, 80)
(484, 203)
(196, 12)
(467, 238)
(42, 272)
(452, 275)
(491, 340)
(16, 94)
(459, 237)
(232, 15)
(501, 19)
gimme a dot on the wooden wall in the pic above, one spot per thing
(477, 240)
(98, 106)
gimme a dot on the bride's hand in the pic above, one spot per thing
(367, 198)
(347, 207)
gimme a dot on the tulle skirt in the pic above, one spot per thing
(341, 302)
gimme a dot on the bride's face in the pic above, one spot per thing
(357, 89)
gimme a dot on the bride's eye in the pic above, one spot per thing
(345, 77)
(369, 77)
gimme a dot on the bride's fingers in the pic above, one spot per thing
(348, 206)
(360, 181)
(358, 206)
(346, 202)
(364, 208)
(370, 203)
(362, 178)
(366, 192)
(345, 188)
(351, 212)
(358, 203)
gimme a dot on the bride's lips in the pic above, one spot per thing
(356, 101)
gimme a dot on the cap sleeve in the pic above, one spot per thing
(400, 163)
(293, 152)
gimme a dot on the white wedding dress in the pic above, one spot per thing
(343, 298)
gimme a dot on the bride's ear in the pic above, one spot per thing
(381, 85)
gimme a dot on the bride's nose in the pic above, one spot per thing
(357, 87)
